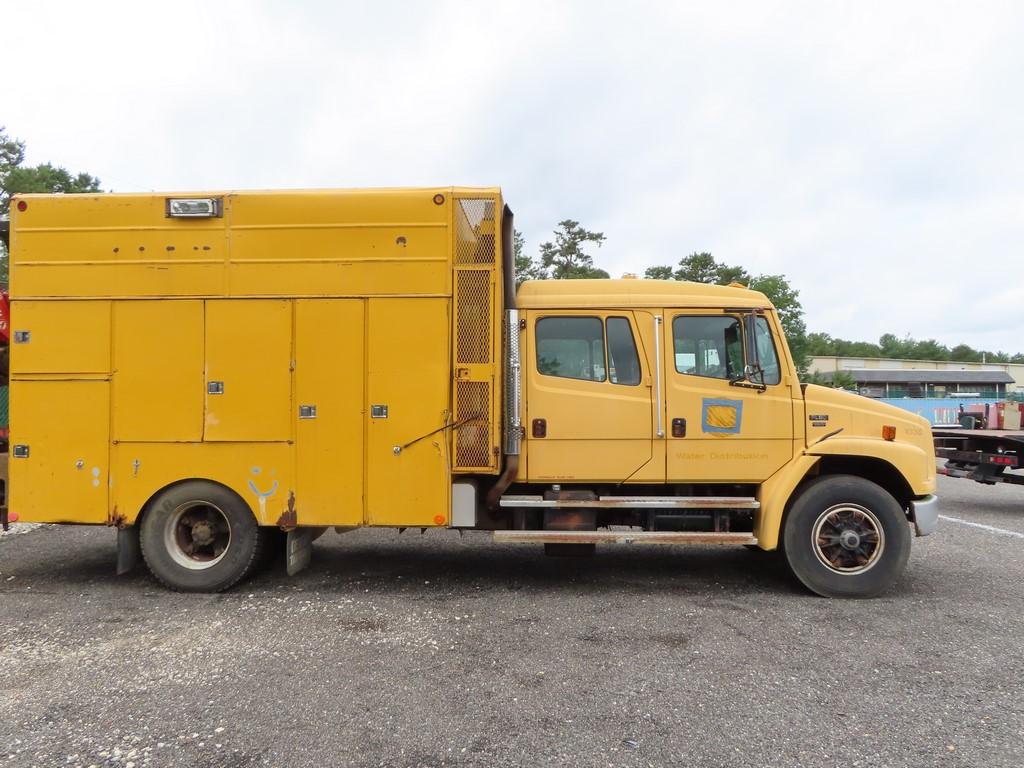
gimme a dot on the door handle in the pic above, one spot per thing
(678, 427)
(540, 428)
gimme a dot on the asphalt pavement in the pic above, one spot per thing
(448, 650)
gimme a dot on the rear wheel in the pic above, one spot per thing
(198, 536)
(846, 537)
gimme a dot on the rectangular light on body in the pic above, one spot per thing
(193, 207)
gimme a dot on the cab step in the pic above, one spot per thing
(623, 537)
(634, 502)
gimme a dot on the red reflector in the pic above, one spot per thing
(22, 205)
(12, 517)
(888, 432)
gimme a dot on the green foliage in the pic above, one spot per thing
(12, 154)
(46, 178)
(786, 300)
(964, 353)
(658, 273)
(699, 268)
(565, 258)
(16, 178)
(844, 380)
(526, 268)
(906, 348)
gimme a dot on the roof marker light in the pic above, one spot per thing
(193, 208)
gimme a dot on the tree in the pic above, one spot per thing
(964, 354)
(16, 178)
(12, 154)
(786, 300)
(658, 273)
(526, 268)
(565, 259)
(698, 268)
(844, 380)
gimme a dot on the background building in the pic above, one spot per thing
(937, 390)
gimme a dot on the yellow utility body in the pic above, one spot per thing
(202, 369)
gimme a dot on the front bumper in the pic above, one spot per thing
(924, 514)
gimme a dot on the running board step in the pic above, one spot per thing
(622, 537)
(635, 502)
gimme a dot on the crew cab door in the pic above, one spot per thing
(719, 428)
(589, 404)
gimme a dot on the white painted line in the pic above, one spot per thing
(990, 528)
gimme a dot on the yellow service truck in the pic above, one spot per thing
(203, 371)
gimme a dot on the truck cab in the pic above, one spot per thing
(675, 408)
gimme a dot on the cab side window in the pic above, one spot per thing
(571, 347)
(708, 346)
(623, 361)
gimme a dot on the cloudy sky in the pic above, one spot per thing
(873, 152)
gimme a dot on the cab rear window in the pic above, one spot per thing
(574, 348)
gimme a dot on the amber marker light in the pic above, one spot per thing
(438, 199)
(888, 432)
(439, 519)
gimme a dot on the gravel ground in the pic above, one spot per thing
(445, 650)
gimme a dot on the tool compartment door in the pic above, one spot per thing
(64, 427)
(329, 376)
(158, 358)
(248, 370)
(408, 386)
(61, 337)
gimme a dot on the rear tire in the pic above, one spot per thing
(846, 537)
(198, 536)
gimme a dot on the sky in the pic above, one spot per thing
(872, 152)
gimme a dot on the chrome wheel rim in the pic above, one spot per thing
(197, 535)
(848, 539)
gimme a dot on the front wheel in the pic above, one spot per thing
(198, 536)
(846, 537)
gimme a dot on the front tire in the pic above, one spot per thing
(846, 537)
(198, 536)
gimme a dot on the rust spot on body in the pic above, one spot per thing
(289, 519)
(116, 520)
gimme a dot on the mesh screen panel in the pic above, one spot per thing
(473, 316)
(475, 231)
(476, 223)
(472, 439)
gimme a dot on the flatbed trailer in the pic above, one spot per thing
(984, 455)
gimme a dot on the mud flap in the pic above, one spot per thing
(299, 549)
(128, 551)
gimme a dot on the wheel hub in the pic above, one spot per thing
(197, 535)
(202, 533)
(848, 539)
